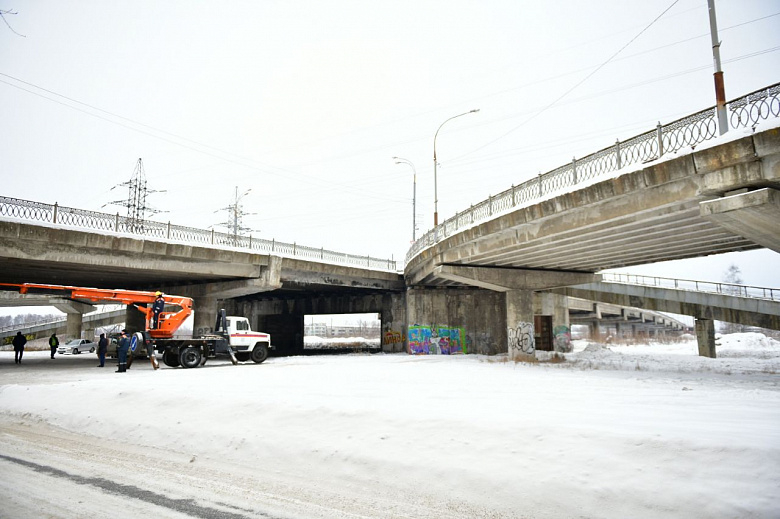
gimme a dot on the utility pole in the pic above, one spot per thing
(400, 160)
(720, 89)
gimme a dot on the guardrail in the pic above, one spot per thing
(105, 310)
(31, 324)
(745, 111)
(728, 289)
(83, 219)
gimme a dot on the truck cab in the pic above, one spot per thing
(246, 344)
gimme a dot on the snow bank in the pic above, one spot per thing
(741, 353)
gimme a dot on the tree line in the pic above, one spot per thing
(23, 319)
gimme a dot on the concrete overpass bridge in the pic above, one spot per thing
(675, 192)
(212, 274)
(487, 278)
(624, 319)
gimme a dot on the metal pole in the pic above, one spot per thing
(400, 160)
(414, 209)
(435, 180)
(720, 88)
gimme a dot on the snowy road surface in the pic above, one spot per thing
(642, 431)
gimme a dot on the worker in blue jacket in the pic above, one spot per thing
(157, 308)
(121, 350)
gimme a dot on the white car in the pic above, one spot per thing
(77, 346)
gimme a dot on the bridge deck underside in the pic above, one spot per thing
(670, 232)
(641, 217)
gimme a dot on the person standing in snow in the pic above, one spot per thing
(53, 343)
(19, 342)
(121, 351)
(102, 349)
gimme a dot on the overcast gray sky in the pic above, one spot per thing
(306, 103)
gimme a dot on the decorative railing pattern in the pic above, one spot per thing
(83, 219)
(710, 287)
(691, 130)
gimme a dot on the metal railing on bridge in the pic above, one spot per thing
(745, 112)
(58, 320)
(31, 324)
(83, 219)
(727, 289)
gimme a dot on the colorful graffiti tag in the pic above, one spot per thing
(562, 338)
(436, 340)
(392, 337)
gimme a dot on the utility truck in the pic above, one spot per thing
(232, 335)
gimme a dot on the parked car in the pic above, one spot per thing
(77, 346)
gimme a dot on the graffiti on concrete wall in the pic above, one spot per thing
(436, 340)
(562, 338)
(393, 337)
(521, 338)
(10, 339)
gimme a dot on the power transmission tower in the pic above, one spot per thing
(136, 199)
(236, 214)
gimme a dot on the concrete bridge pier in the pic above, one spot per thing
(520, 324)
(394, 324)
(204, 314)
(705, 337)
(73, 324)
(594, 331)
(74, 318)
(135, 320)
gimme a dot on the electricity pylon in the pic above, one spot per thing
(236, 214)
(136, 199)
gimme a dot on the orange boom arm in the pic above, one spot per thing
(169, 321)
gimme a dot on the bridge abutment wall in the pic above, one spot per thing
(477, 316)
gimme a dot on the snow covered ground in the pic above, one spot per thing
(642, 431)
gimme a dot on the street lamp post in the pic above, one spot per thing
(720, 89)
(435, 181)
(399, 160)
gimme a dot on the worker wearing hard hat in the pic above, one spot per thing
(157, 307)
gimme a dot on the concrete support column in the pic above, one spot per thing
(705, 337)
(394, 327)
(520, 324)
(135, 320)
(205, 314)
(74, 319)
(595, 331)
(73, 326)
(89, 332)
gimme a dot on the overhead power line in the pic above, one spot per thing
(570, 90)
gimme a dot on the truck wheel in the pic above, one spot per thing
(260, 353)
(171, 358)
(190, 357)
(242, 356)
